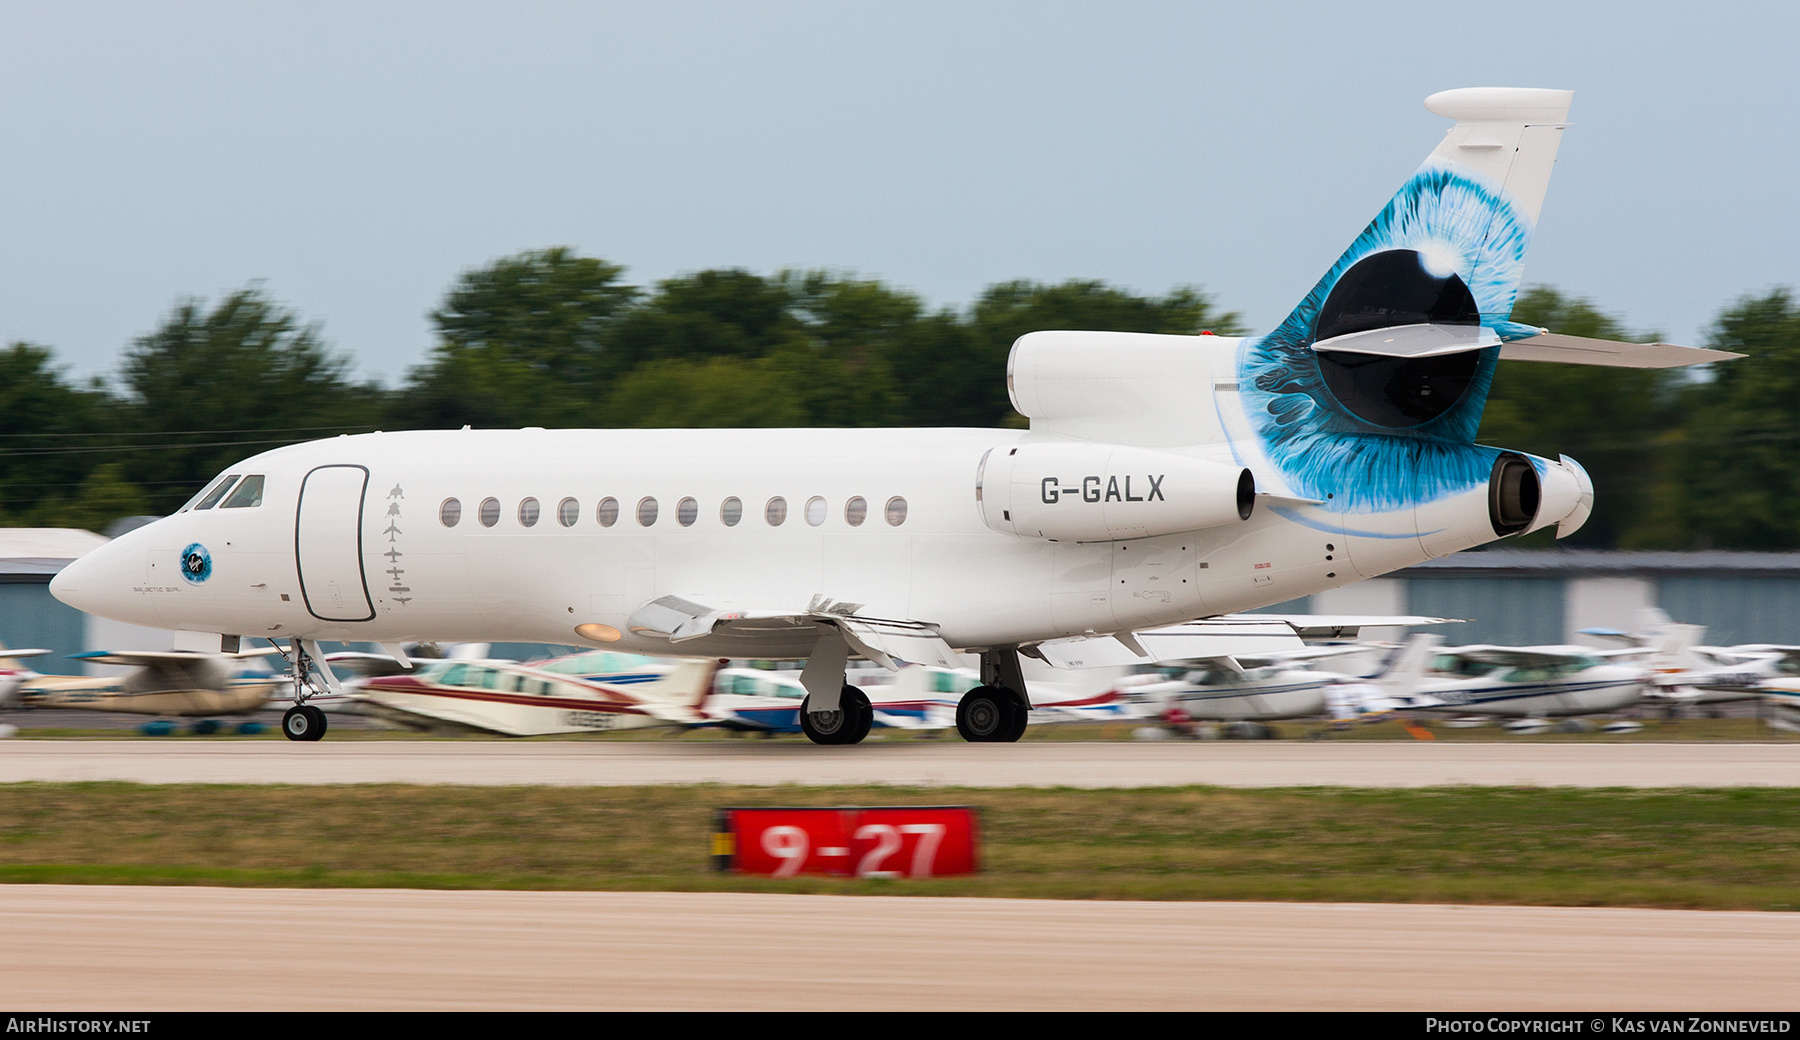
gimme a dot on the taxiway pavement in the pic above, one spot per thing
(950, 763)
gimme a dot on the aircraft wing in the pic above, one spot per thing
(1348, 626)
(1228, 635)
(161, 658)
(888, 642)
(1512, 657)
(157, 657)
(1311, 653)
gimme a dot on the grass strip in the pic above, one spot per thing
(1711, 849)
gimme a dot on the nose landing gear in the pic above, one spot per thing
(303, 722)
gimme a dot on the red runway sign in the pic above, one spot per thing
(901, 841)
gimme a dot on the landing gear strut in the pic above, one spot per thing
(849, 724)
(996, 711)
(303, 721)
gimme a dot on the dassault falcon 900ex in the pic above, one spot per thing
(1164, 481)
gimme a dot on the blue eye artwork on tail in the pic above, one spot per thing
(1372, 433)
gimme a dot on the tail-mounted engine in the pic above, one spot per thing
(1520, 500)
(1085, 492)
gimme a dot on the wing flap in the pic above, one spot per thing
(888, 642)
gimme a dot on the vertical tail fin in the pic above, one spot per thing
(1408, 668)
(1391, 346)
(679, 695)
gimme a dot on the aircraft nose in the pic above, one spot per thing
(101, 581)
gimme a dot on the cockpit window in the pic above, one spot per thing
(248, 493)
(218, 491)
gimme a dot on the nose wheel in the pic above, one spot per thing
(303, 722)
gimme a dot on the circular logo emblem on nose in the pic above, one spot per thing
(196, 563)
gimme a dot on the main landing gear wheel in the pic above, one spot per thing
(847, 725)
(991, 715)
(303, 722)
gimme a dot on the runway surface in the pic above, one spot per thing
(951, 763)
(141, 948)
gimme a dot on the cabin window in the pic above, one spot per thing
(450, 513)
(731, 511)
(218, 492)
(529, 512)
(686, 512)
(815, 511)
(896, 511)
(567, 512)
(490, 512)
(646, 511)
(608, 513)
(776, 511)
(856, 511)
(248, 494)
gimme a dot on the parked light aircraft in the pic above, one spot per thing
(1162, 479)
(521, 700)
(1690, 674)
(161, 683)
(1243, 688)
(1512, 682)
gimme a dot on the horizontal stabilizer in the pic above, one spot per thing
(1412, 341)
(1580, 350)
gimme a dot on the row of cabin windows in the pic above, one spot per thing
(244, 493)
(687, 511)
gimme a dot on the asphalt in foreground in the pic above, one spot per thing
(139, 948)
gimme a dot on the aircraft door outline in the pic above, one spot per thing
(336, 577)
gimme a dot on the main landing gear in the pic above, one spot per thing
(849, 724)
(992, 715)
(996, 711)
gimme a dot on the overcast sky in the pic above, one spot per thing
(355, 158)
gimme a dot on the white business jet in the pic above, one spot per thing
(1163, 479)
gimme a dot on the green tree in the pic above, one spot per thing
(1611, 420)
(524, 341)
(1737, 486)
(51, 432)
(1011, 309)
(705, 393)
(105, 496)
(209, 387)
(722, 313)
